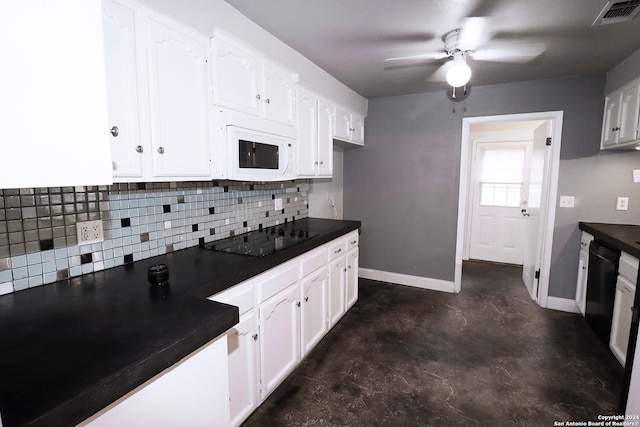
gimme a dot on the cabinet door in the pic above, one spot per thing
(313, 316)
(342, 129)
(357, 128)
(278, 97)
(581, 287)
(121, 56)
(177, 58)
(337, 279)
(279, 337)
(629, 111)
(235, 77)
(243, 385)
(307, 134)
(326, 118)
(352, 277)
(53, 96)
(610, 125)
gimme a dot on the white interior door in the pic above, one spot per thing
(500, 196)
(538, 196)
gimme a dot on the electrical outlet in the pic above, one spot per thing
(622, 204)
(567, 201)
(89, 232)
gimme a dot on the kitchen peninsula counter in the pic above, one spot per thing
(621, 236)
(72, 347)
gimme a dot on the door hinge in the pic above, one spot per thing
(537, 274)
(549, 141)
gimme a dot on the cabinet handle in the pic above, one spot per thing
(115, 131)
(160, 150)
(258, 96)
(268, 101)
(338, 251)
(139, 148)
(354, 242)
(255, 337)
(306, 299)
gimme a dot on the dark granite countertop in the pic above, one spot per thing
(621, 236)
(71, 348)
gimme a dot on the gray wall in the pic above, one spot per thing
(403, 184)
(624, 72)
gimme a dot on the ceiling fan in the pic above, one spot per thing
(464, 43)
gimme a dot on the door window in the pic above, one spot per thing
(501, 176)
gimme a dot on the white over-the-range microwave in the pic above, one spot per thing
(255, 151)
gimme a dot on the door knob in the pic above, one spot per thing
(114, 131)
(524, 212)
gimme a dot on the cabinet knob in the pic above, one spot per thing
(321, 162)
(316, 163)
(139, 149)
(268, 101)
(115, 131)
(160, 150)
(255, 337)
(338, 251)
(345, 270)
(306, 299)
(258, 96)
(349, 267)
(298, 303)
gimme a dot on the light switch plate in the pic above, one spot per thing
(622, 204)
(567, 201)
(636, 175)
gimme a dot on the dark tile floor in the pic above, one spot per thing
(488, 356)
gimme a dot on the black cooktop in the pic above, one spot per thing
(262, 242)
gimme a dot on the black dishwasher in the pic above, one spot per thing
(601, 288)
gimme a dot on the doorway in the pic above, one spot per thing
(506, 214)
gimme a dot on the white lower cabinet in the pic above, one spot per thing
(279, 333)
(583, 265)
(313, 316)
(284, 313)
(193, 392)
(623, 303)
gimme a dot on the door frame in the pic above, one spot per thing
(548, 217)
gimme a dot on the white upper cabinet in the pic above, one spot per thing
(349, 126)
(621, 114)
(53, 99)
(245, 82)
(123, 75)
(326, 123)
(179, 119)
(158, 95)
(315, 119)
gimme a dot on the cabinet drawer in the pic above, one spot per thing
(272, 283)
(585, 240)
(628, 267)
(240, 295)
(352, 240)
(337, 248)
(313, 261)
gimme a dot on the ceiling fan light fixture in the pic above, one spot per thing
(459, 73)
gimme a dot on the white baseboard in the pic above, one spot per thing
(562, 304)
(405, 279)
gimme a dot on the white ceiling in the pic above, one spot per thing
(351, 38)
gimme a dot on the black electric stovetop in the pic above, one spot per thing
(261, 243)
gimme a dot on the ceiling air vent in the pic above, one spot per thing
(617, 11)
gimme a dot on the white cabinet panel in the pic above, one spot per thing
(123, 89)
(193, 392)
(235, 77)
(179, 118)
(342, 128)
(357, 129)
(313, 316)
(622, 117)
(307, 116)
(352, 277)
(337, 289)
(158, 95)
(326, 118)
(53, 96)
(278, 95)
(279, 337)
(243, 374)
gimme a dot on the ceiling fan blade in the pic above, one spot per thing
(516, 54)
(429, 56)
(472, 34)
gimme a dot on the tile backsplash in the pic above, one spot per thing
(38, 242)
